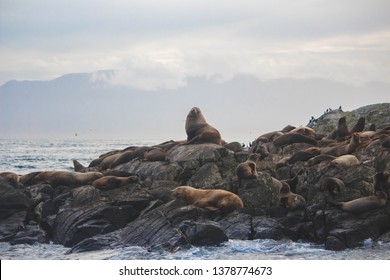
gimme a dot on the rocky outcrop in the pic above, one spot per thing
(144, 213)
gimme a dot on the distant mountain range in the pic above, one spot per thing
(241, 108)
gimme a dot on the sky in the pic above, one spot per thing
(158, 44)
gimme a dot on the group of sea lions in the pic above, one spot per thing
(334, 149)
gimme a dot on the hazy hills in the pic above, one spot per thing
(241, 108)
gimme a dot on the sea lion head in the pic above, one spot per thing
(179, 192)
(194, 117)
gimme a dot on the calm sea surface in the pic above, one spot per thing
(25, 156)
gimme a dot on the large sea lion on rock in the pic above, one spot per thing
(292, 137)
(64, 178)
(363, 204)
(213, 200)
(198, 130)
(345, 161)
(343, 149)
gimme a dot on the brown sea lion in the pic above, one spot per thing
(341, 130)
(77, 166)
(291, 138)
(344, 149)
(381, 182)
(155, 154)
(212, 200)
(234, 147)
(129, 155)
(198, 130)
(66, 178)
(269, 137)
(304, 155)
(320, 158)
(246, 170)
(304, 130)
(27, 179)
(290, 200)
(359, 126)
(97, 162)
(112, 182)
(345, 161)
(10, 177)
(332, 185)
(363, 204)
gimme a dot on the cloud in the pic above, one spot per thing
(157, 44)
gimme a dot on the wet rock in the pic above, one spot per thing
(205, 233)
(12, 197)
(237, 225)
(31, 234)
(85, 195)
(335, 244)
(74, 225)
(267, 228)
(11, 223)
(258, 194)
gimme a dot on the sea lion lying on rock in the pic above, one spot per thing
(112, 182)
(212, 200)
(363, 204)
(61, 178)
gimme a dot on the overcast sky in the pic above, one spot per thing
(157, 44)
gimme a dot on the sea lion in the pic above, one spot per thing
(344, 149)
(27, 179)
(212, 200)
(290, 200)
(332, 185)
(363, 204)
(235, 147)
(341, 131)
(304, 155)
(66, 178)
(155, 154)
(359, 126)
(381, 182)
(247, 169)
(10, 177)
(345, 161)
(112, 182)
(269, 137)
(320, 158)
(198, 130)
(129, 155)
(304, 130)
(77, 166)
(291, 138)
(98, 161)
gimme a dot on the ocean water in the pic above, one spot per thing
(25, 156)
